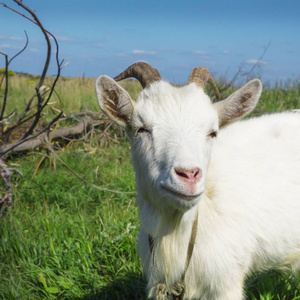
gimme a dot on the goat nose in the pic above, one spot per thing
(191, 175)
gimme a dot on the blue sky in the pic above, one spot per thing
(105, 37)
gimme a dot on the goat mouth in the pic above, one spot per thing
(177, 194)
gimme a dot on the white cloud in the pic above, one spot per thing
(225, 52)
(143, 52)
(16, 38)
(11, 38)
(8, 46)
(256, 62)
(136, 52)
(63, 39)
(5, 46)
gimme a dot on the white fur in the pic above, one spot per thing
(248, 199)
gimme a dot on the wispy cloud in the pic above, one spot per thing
(256, 62)
(9, 46)
(11, 38)
(63, 39)
(225, 52)
(199, 52)
(136, 51)
(5, 46)
(16, 38)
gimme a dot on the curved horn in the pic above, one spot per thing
(143, 72)
(201, 76)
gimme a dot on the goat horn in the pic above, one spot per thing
(201, 76)
(143, 72)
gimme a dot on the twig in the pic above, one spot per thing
(5, 173)
(84, 180)
(6, 85)
(5, 119)
(258, 61)
(11, 147)
(23, 49)
(242, 73)
(42, 78)
(39, 24)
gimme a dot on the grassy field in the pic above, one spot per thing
(67, 240)
(72, 94)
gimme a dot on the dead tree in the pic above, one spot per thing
(33, 110)
(35, 134)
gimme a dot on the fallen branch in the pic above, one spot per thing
(33, 143)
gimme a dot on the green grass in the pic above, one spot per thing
(67, 240)
(73, 95)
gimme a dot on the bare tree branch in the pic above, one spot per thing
(46, 66)
(7, 62)
(5, 174)
(6, 85)
(10, 148)
(245, 74)
(258, 61)
(41, 95)
(34, 111)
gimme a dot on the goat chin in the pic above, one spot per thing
(179, 201)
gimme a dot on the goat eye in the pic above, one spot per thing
(142, 130)
(212, 134)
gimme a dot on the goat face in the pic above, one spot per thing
(171, 138)
(171, 132)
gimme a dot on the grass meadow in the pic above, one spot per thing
(64, 239)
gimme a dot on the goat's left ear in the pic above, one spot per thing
(114, 100)
(240, 103)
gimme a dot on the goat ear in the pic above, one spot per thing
(114, 100)
(240, 103)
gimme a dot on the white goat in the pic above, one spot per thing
(213, 208)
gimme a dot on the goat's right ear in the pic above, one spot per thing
(114, 100)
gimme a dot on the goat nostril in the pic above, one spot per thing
(192, 174)
(196, 173)
(181, 174)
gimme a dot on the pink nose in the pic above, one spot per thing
(191, 176)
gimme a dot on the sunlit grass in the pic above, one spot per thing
(67, 240)
(72, 95)
(64, 238)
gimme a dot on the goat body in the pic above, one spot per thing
(249, 214)
(244, 185)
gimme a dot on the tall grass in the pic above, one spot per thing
(73, 95)
(66, 240)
